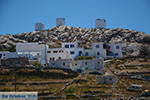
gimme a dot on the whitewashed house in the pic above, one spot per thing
(115, 50)
(97, 50)
(7, 54)
(53, 55)
(3, 54)
(88, 65)
(60, 63)
(73, 49)
(67, 51)
(31, 50)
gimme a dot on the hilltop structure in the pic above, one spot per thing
(100, 23)
(39, 27)
(60, 21)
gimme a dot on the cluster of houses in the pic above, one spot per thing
(66, 55)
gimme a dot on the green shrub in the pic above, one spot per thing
(83, 58)
(11, 48)
(88, 58)
(144, 51)
(122, 80)
(71, 89)
(36, 64)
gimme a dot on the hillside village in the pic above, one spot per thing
(94, 65)
(65, 55)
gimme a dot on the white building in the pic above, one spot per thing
(115, 50)
(60, 21)
(67, 51)
(7, 54)
(97, 50)
(100, 23)
(73, 49)
(53, 55)
(39, 27)
(30, 47)
(3, 54)
(88, 65)
(31, 50)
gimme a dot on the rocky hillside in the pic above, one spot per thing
(56, 35)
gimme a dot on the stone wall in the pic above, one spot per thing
(11, 62)
(109, 79)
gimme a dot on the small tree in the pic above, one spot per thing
(144, 51)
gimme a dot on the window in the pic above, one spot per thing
(104, 46)
(97, 46)
(50, 58)
(63, 63)
(116, 54)
(53, 64)
(117, 47)
(85, 63)
(48, 51)
(55, 51)
(0, 55)
(80, 53)
(72, 52)
(3, 54)
(66, 46)
(59, 57)
(110, 79)
(54, 59)
(86, 54)
(35, 59)
(75, 64)
(72, 46)
(37, 53)
(98, 53)
(61, 51)
(97, 62)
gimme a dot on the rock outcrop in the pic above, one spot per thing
(56, 35)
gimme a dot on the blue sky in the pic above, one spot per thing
(19, 16)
